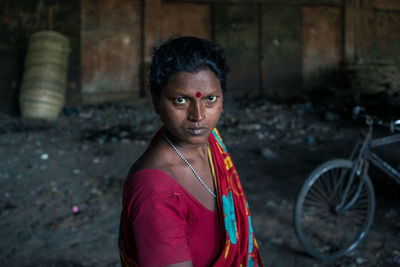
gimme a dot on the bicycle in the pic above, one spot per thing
(335, 207)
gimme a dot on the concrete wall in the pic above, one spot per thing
(275, 48)
(110, 49)
(321, 43)
(281, 50)
(377, 31)
(117, 38)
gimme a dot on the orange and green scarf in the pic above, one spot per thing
(240, 245)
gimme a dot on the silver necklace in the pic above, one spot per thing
(187, 163)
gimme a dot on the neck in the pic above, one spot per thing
(187, 149)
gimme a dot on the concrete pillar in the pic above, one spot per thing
(350, 29)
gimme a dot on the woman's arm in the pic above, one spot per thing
(157, 218)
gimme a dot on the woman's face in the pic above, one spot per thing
(190, 106)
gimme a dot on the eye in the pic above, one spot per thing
(211, 98)
(180, 100)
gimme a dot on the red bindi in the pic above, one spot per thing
(198, 94)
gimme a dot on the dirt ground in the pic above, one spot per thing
(61, 181)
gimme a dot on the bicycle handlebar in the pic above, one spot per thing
(358, 112)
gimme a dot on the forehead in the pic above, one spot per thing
(192, 82)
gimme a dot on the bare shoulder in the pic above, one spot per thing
(154, 157)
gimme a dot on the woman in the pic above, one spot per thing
(183, 204)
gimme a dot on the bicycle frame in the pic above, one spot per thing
(361, 163)
(380, 163)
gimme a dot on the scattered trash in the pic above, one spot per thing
(4, 175)
(361, 260)
(278, 241)
(271, 204)
(307, 108)
(330, 116)
(76, 171)
(44, 156)
(310, 140)
(75, 209)
(391, 214)
(86, 115)
(70, 111)
(96, 161)
(268, 153)
(396, 257)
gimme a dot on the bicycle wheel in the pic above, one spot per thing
(329, 220)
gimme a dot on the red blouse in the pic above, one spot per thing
(163, 224)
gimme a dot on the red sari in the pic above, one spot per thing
(240, 247)
(239, 244)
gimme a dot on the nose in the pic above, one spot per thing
(197, 111)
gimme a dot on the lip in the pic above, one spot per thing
(197, 131)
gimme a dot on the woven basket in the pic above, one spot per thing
(42, 93)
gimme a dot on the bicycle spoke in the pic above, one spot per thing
(316, 194)
(355, 219)
(317, 188)
(325, 183)
(334, 210)
(314, 207)
(312, 199)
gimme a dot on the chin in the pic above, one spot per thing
(196, 139)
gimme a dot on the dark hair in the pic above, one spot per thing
(186, 54)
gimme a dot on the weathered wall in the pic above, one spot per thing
(275, 48)
(117, 38)
(163, 19)
(236, 29)
(281, 50)
(377, 33)
(284, 47)
(110, 49)
(321, 43)
(18, 20)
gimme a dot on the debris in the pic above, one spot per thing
(310, 140)
(396, 257)
(4, 175)
(271, 204)
(307, 108)
(277, 241)
(268, 153)
(70, 111)
(75, 209)
(44, 156)
(391, 214)
(361, 260)
(86, 115)
(330, 116)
